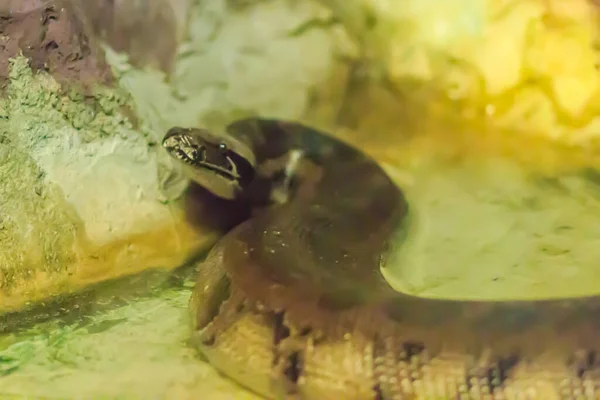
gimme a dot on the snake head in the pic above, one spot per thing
(222, 165)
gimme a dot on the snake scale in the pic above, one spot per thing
(291, 302)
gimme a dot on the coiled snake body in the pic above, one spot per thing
(291, 303)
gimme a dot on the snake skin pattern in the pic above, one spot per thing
(291, 302)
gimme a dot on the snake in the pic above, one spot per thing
(292, 301)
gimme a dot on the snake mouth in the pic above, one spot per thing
(199, 160)
(227, 174)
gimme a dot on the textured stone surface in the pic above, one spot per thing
(80, 196)
(147, 30)
(55, 38)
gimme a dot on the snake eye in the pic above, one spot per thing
(222, 147)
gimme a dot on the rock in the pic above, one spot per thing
(55, 38)
(148, 31)
(80, 198)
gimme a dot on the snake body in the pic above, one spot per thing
(292, 303)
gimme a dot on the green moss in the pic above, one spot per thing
(38, 226)
(36, 232)
(98, 113)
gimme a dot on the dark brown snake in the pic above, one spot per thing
(291, 303)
